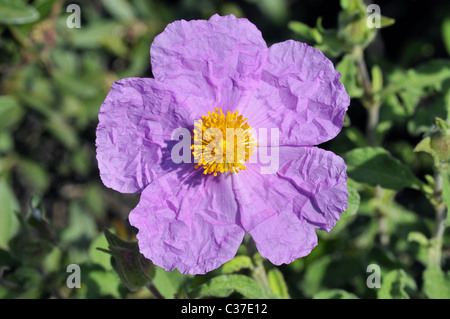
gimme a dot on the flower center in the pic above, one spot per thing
(222, 143)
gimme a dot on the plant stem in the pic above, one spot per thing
(369, 101)
(441, 214)
(259, 272)
(373, 117)
(155, 292)
(372, 105)
(366, 82)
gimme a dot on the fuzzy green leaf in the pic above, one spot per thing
(436, 284)
(15, 12)
(10, 112)
(120, 9)
(376, 166)
(277, 283)
(225, 285)
(168, 283)
(393, 285)
(334, 294)
(349, 72)
(8, 208)
(236, 264)
(353, 201)
(305, 31)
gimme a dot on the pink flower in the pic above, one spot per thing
(189, 218)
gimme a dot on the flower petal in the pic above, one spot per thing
(300, 94)
(283, 237)
(268, 212)
(188, 225)
(214, 63)
(282, 210)
(135, 124)
(320, 175)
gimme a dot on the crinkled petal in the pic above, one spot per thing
(283, 237)
(268, 212)
(282, 210)
(136, 121)
(300, 94)
(322, 177)
(214, 63)
(188, 225)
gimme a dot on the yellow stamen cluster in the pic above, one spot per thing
(210, 151)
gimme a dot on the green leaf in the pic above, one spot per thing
(349, 73)
(305, 31)
(52, 261)
(314, 275)
(446, 34)
(425, 146)
(435, 106)
(15, 12)
(6, 142)
(30, 281)
(353, 201)
(98, 256)
(334, 294)
(277, 283)
(422, 254)
(94, 199)
(275, 10)
(36, 175)
(386, 22)
(376, 166)
(236, 264)
(107, 34)
(57, 125)
(419, 238)
(436, 284)
(355, 137)
(8, 209)
(393, 285)
(225, 285)
(108, 283)
(10, 112)
(377, 79)
(81, 226)
(406, 90)
(34, 240)
(430, 74)
(331, 45)
(168, 283)
(119, 9)
(71, 84)
(352, 5)
(99, 283)
(44, 7)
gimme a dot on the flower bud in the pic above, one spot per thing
(134, 269)
(440, 144)
(437, 143)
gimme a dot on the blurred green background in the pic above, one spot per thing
(54, 207)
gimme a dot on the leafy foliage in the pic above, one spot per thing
(54, 210)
